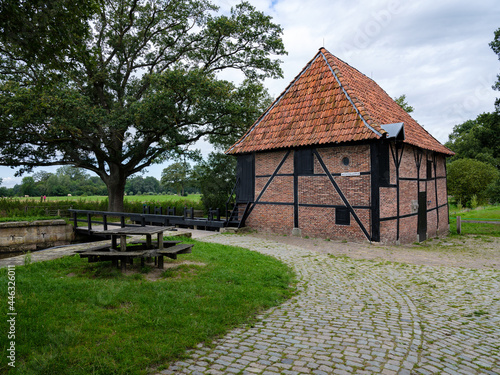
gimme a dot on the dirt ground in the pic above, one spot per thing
(470, 251)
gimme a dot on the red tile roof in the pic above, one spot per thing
(330, 102)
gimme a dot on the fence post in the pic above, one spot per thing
(459, 225)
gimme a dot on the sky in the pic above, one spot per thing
(434, 52)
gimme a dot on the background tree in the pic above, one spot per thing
(477, 139)
(176, 177)
(110, 86)
(495, 46)
(28, 187)
(469, 177)
(401, 100)
(216, 179)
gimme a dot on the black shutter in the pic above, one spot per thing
(245, 171)
(304, 162)
(383, 157)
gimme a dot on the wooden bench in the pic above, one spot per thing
(95, 255)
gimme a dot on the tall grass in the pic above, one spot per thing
(20, 208)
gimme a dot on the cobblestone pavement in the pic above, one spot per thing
(362, 317)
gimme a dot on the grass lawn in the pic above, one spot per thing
(80, 318)
(491, 213)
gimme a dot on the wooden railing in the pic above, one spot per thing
(475, 221)
(126, 219)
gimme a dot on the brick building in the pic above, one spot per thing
(335, 157)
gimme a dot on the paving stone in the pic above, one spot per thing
(362, 317)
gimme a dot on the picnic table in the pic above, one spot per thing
(148, 249)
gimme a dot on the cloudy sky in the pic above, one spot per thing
(435, 52)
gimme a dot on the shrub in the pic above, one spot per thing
(469, 177)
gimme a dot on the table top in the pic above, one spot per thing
(133, 230)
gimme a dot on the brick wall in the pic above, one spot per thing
(317, 189)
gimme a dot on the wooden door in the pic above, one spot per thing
(422, 216)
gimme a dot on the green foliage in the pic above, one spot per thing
(401, 100)
(468, 177)
(474, 202)
(216, 178)
(477, 139)
(176, 176)
(115, 86)
(139, 184)
(81, 318)
(493, 191)
(495, 46)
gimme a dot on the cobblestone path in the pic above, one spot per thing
(363, 317)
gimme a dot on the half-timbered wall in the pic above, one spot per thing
(343, 182)
(421, 173)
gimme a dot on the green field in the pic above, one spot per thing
(491, 213)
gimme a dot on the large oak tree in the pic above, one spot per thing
(113, 86)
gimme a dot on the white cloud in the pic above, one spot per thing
(9, 182)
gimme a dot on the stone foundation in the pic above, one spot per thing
(40, 234)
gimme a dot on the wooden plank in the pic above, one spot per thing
(165, 243)
(177, 249)
(143, 253)
(479, 221)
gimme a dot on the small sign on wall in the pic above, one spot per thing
(349, 174)
(414, 206)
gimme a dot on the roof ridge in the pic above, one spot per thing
(275, 102)
(345, 88)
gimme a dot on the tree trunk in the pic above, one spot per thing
(116, 190)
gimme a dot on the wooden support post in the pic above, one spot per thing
(142, 262)
(160, 240)
(75, 220)
(160, 261)
(89, 222)
(148, 241)
(123, 243)
(122, 221)
(113, 242)
(105, 221)
(123, 262)
(459, 225)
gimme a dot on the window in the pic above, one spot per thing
(342, 216)
(304, 161)
(345, 161)
(429, 169)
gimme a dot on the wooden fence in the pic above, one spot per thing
(460, 221)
